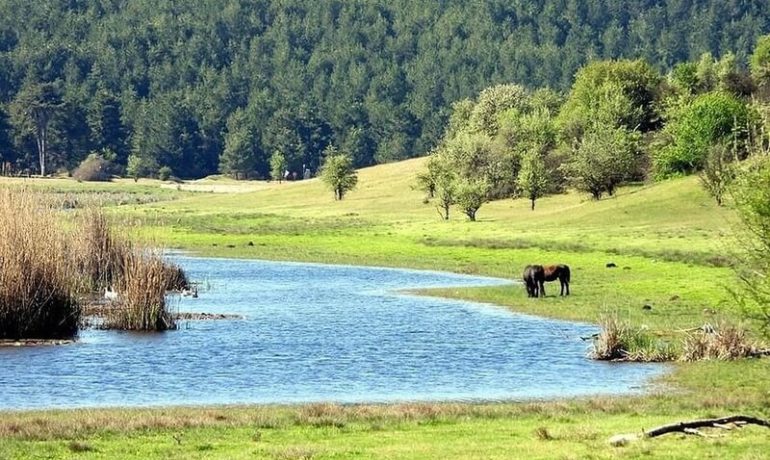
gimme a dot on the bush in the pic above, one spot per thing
(618, 341)
(95, 168)
(164, 173)
(711, 118)
(751, 193)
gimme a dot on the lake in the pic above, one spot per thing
(312, 333)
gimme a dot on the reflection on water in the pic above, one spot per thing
(317, 333)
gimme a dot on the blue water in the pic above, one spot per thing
(318, 333)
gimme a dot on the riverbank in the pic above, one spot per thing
(551, 429)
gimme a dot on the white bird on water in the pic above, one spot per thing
(110, 294)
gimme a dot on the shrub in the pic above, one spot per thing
(164, 173)
(37, 287)
(751, 192)
(711, 118)
(618, 341)
(95, 168)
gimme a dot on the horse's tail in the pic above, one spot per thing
(566, 274)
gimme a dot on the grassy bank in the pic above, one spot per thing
(671, 246)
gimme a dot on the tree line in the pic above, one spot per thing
(195, 88)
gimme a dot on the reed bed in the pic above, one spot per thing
(38, 282)
(49, 264)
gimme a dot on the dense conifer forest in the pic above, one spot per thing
(192, 88)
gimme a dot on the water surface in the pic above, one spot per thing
(318, 333)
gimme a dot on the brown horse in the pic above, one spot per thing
(533, 277)
(560, 272)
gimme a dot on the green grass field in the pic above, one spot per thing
(672, 246)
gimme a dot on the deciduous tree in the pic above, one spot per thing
(338, 173)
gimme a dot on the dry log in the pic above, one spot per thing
(687, 427)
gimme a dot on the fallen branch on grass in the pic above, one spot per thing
(686, 427)
(691, 428)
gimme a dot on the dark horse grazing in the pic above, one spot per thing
(552, 272)
(533, 277)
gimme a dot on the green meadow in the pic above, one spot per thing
(671, 246)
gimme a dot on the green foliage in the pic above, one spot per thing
(760, 61)
(377, 78)
(442, 175)
(277, 166)
(718, 171)
(470, 195)
(238, 158)
(139, 166)
(684, 77)
(34, 108)
(338, 173)
(165, 173)
(710, 118)
(533, 177)
(618, 93)
(602, 160)
(752, 199)
(492, 103)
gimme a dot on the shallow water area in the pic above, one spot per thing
(312, 332)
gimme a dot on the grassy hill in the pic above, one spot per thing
(671, 243)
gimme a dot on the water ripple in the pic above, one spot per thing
(318, 333)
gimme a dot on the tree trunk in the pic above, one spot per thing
(533, 204)
(41, 147)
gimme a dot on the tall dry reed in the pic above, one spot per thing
(37, 283)
(723, 342)
(99, 253)
(141, 290)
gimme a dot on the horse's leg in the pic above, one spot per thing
(542, 289)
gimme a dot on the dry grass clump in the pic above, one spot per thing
(138, 277)
(99, 254)
(176, 278)
(45, 271)
(141, 289)
(95, 168)
(724, 342)
(618, 341)
(38, 296)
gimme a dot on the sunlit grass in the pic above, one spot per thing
(668, 241)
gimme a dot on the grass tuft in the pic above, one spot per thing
(79, 446)
(724, 342)
(543, 434)
(618, 341)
